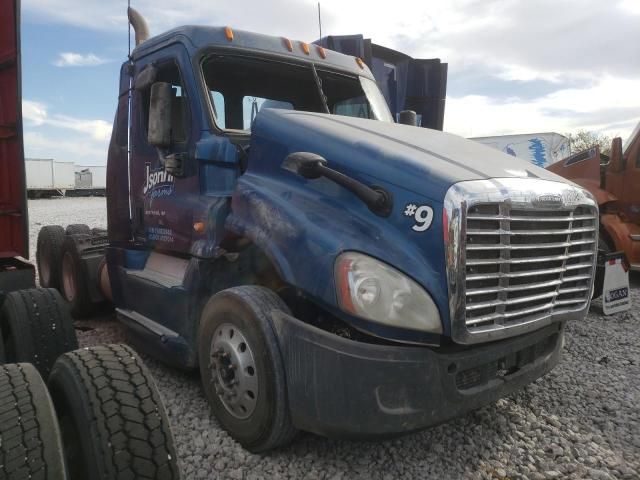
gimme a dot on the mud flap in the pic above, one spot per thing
(615, 290)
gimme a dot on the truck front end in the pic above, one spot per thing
(451, 293)
(519, 258)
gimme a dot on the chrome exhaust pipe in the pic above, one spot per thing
(139, 25)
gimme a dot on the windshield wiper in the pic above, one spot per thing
(323, 97)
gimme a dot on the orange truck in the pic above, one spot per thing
(614, 181)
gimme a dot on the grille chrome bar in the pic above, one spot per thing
(530, 219)
(529, 246)
(493, 261)
(521, 253)
(515, 288)
(531, 232)
(477, 306)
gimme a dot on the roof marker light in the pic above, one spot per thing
(305, 47)
(360, 62)
(322, 52)
(287, 43)
(228, 33)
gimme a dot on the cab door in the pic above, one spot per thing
(161, 203)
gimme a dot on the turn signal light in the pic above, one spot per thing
(198, 227)
(228, 33)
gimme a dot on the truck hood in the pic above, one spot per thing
(424, 161)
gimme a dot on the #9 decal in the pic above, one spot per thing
(422, 215)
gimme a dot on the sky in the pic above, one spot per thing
(515, 66)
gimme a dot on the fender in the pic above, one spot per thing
(621, 234)
(296, 228)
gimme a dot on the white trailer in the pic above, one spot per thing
(46, 177)
(98, 176)
(90, 180)
(541, 149)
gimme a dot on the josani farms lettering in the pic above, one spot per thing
(158, 183)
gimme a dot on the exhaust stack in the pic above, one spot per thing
(139, 25)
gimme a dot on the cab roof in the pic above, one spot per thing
(197, 37)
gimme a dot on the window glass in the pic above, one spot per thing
(353, 107)
(252, 105)
(241, 87)
(217, 99)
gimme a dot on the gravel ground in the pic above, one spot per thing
(582, 420)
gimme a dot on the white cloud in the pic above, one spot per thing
(78, 149)
(630, 6)
(62, 136)
(33, 113)
(567, 43)
(71, 59)
(611, 105)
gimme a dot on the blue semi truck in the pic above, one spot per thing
(325, 268)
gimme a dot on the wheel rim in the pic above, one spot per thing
(233, 371)
(68, 277)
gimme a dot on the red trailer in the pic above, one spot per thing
(15, 271)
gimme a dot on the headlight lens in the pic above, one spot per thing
(375, 291)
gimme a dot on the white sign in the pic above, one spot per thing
(615, 291)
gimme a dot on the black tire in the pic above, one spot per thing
(248, 310)
(114, 425)
(604, 247)
(74, 284)
(78, 228)
(31, 446)
(49, 255)
(36, 328)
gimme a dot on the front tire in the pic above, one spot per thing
(242, 371)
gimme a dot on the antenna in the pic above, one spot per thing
(129, 23)
(320, 23)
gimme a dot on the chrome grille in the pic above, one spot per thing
(520, 254)
(524, 264)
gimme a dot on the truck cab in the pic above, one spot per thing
(325, 268)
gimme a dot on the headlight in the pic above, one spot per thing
(375, 291)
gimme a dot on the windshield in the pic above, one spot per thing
(239, 87)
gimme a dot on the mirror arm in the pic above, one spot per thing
(311, 166)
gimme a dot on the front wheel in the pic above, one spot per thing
(241, 367)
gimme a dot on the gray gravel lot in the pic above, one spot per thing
(582, 420)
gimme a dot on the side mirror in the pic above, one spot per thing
(159, 128)
(408, 117)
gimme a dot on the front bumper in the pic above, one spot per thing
(342, 388)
